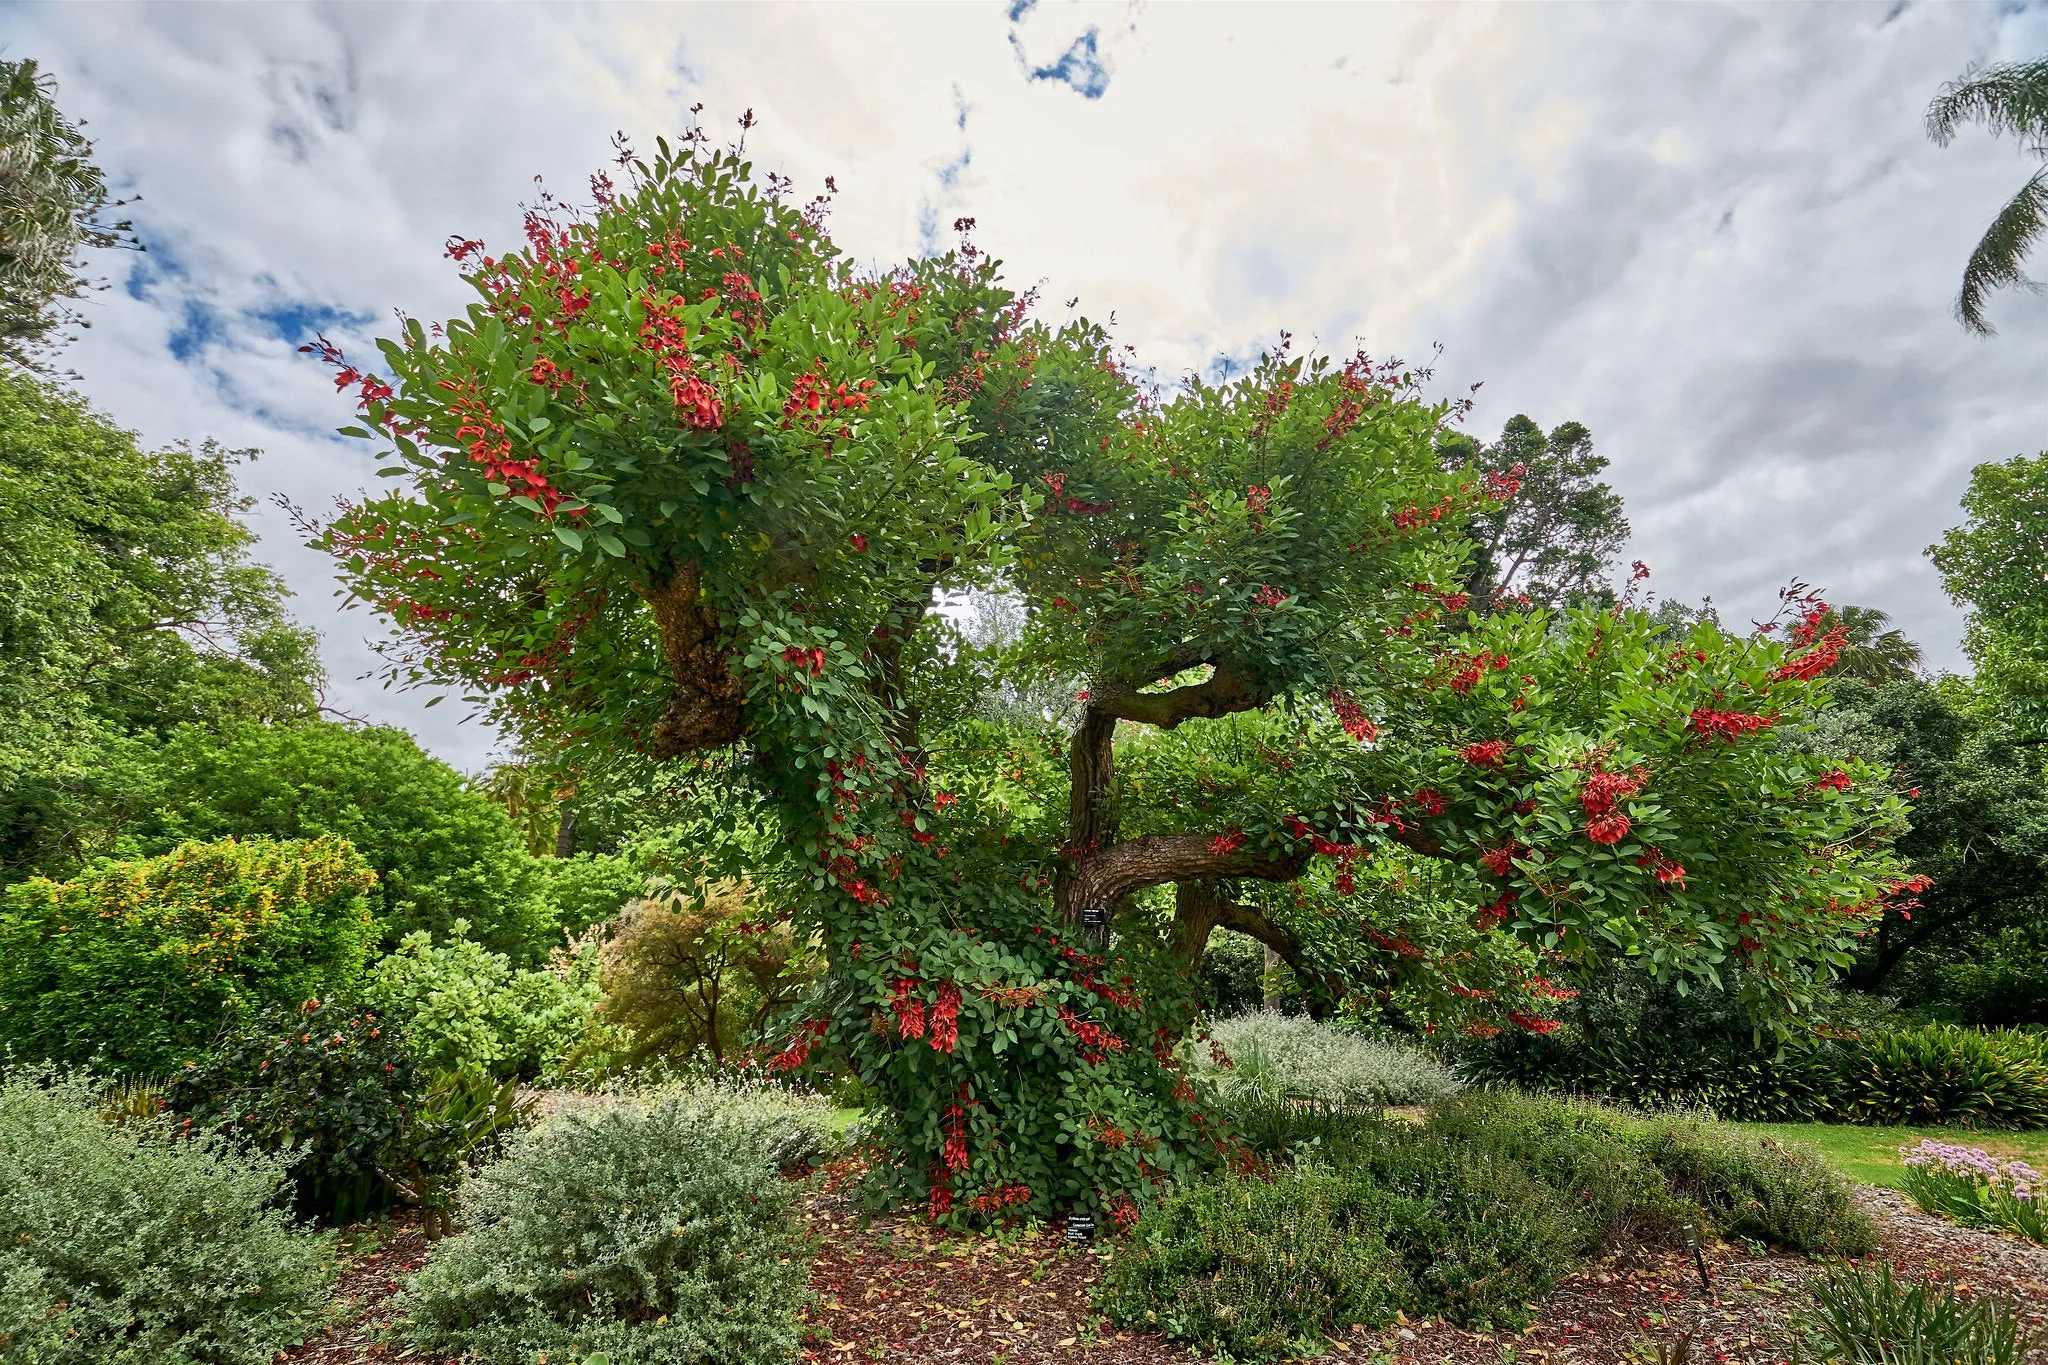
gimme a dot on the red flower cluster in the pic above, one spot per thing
(908, 1006)
(1096, 1041)
(812, 658)
(1834, 780)
(1602, 790)
(1662, 868)
(1492, 916)
(955, 1124)
(1269, 596)
(1502, 486)
(664, 333)
(1728, 725)
(1535, 1023)
(1487, 755)
(1227, 843)
(1123, 1211)
(1107, 1133)
(1352, 717)
(797, 1049)
(1427, 802)
(1608, 829)
(1000, 1198)
(945, 1019)
(1500, 860)
(813, 392)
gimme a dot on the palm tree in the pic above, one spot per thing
(1871, 652)
(2010, 97)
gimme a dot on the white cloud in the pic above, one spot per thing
(1718, 236)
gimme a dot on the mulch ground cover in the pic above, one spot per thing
(891, 1289)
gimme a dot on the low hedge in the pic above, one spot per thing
(1475, 1214)
(1931, 1074)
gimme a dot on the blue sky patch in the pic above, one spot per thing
(1080, 68)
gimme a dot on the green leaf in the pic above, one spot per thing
(569, 537)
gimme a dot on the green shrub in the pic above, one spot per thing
(790, 1128)
(442, 849)
(701, 969)
(1271, 1124)
(1254, 1267)
(122, 1246)
(334, 1085)
(1865, 1317)
(1756, 1186)
(1652, 1175)
(653, 1233)
(1303, 1058)
(1596, 1159)
(138, 964)
(1484, 1206)
(1941, 1074)
(460, 1006)
(1929, 1074)
(1480, 1237)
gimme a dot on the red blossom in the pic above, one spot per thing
(945, 1015)
(1352, 717)
(1227, 843)
(909, 1009)
(1602, 790)
(1608, 829)
(1535, 1023)
(1490, 754)
(1728, 725)
(1427, 802)
(1835, 780)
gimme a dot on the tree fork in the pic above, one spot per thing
(705, 709)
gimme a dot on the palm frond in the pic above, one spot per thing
(2010, 97)
(1996, 262)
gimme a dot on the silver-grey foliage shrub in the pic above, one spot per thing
(124, 1245)
(654, 1231)
(1297, 1056)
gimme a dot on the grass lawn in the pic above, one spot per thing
(1872, 1154)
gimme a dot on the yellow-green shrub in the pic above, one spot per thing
(140, 964)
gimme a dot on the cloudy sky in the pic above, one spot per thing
(1717, 235)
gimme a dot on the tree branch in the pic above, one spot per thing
(1198, 912)
(1115, 872)
(1222, 693)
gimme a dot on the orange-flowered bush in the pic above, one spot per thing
(139, 964)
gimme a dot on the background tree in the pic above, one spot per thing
(52, 197)
(442, 849)
(1995, 566)
(1869, 652)
(2009, 97)
(1979, 830)
(1556, 541)
(680, 481)
(128, 606)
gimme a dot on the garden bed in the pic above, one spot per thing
(895, 1291)
(892, 1289)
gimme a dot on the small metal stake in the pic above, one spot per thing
(1692, 1235)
